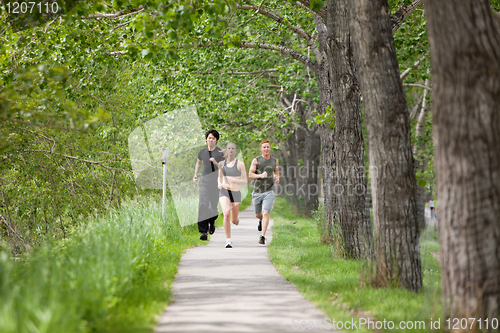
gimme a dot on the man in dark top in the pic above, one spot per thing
(209, 192)
(264, 170)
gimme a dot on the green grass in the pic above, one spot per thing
(114, 276)
(246, 202)
(333, 284)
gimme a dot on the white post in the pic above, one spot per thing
(164, 161)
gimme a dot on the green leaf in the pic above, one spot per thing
(422, 183)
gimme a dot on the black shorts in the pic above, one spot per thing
(234, 196)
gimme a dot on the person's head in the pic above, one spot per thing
(265, 147)
(212, 136)
(230, 150)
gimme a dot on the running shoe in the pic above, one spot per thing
(229, 244)
(262, 240)
(203, 236)
(259, 227)
(211, 228)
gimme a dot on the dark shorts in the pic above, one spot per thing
(234, 196)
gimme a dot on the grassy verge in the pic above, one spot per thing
(333, 284)
(246, 202)
(114, 276)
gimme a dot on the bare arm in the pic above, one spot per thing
(219, 180)
(196, 170)
(244, 179)
(214, 162)
(276, 173)
(253, 168)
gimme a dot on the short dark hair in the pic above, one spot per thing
(265, 141)
(214, 133)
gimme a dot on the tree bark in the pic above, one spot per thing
(350, 178)
(464, 39)
(392, 170)
(403, 13)
(290, 158)
(327, 156)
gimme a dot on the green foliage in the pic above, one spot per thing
(54, 176)
(426, 177)
(326, 118)
(114, 276)
(241, 106)
(420, 178)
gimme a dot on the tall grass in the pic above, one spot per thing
(114, 276)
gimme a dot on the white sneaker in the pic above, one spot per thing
(229, 243)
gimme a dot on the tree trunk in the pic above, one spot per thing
(327, 157)
(311, 163)
(420, 162)
(327, 161)
(301, 154)
(392, 170)
(464, 39)
(290, 157)
(350, 178)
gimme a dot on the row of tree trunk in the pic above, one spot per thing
(360, 59)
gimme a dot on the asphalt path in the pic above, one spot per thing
(236, 290)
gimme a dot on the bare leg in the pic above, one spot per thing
(235, 212)
(226, 208)
(265, 222)
(259, 215)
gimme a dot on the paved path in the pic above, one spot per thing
(430, 220)
(235, 290)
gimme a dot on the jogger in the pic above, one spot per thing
(232, 173)
(208, 194)
(264, 170)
